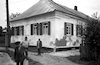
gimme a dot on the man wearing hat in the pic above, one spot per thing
(19, 54)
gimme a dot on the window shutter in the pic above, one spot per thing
(40, 28)
(17, 30)
(37, 28)
(65, 24)
(22, 30)
(72, 27)
(49, 28)
(81, 30)
(31, 29)
(76, 30)
(12, 31)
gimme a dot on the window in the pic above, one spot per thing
(45, 28)
(40, 28)
(34, 29)
(79, 30)
(19, 30)
(68, 29)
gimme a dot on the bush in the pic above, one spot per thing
(2, 39)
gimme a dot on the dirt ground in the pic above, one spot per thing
(64, 57)
(69, 57)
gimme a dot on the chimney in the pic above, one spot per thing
(75, 8)
(45, 0)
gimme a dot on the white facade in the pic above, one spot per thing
(57, 20)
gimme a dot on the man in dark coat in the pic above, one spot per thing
(19, 54)
(39, 46)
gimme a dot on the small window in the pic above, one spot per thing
(19, 30)
(34, 29)
(79, 30)
(45, 28)
(68, 29)
(40, 28)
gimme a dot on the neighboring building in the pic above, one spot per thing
(54, 24)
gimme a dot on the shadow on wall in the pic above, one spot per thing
(66, 41)
(61, 42)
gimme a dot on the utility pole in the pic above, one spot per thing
(7, 40)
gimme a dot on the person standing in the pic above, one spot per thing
(19, 54)
(25, 43)
(39, 46)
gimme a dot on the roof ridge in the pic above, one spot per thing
(45, 6)
(62, 6)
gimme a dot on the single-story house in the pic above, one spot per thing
(54, 24)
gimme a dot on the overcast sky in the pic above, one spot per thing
(85, 6)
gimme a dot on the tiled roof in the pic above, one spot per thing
(44, 6)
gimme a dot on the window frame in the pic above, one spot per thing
(79, 30)
(17, 31)
(68, 28)
(42, 28)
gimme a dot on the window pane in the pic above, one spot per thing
(68, 29)
(45, 28)
(79, 30)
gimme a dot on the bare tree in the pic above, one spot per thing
(14, 15)
(96, 16)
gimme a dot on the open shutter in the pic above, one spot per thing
(12, 31)
(37, 28)
(81, 30)
(22, 30)
(49, 28)
(40, 28)
(76, 30)
(17, 30)
(72, 27)
(31, 29)
(65, 24)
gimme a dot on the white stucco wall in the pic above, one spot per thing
(61, 18)
(57, 20)
(47, 40)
